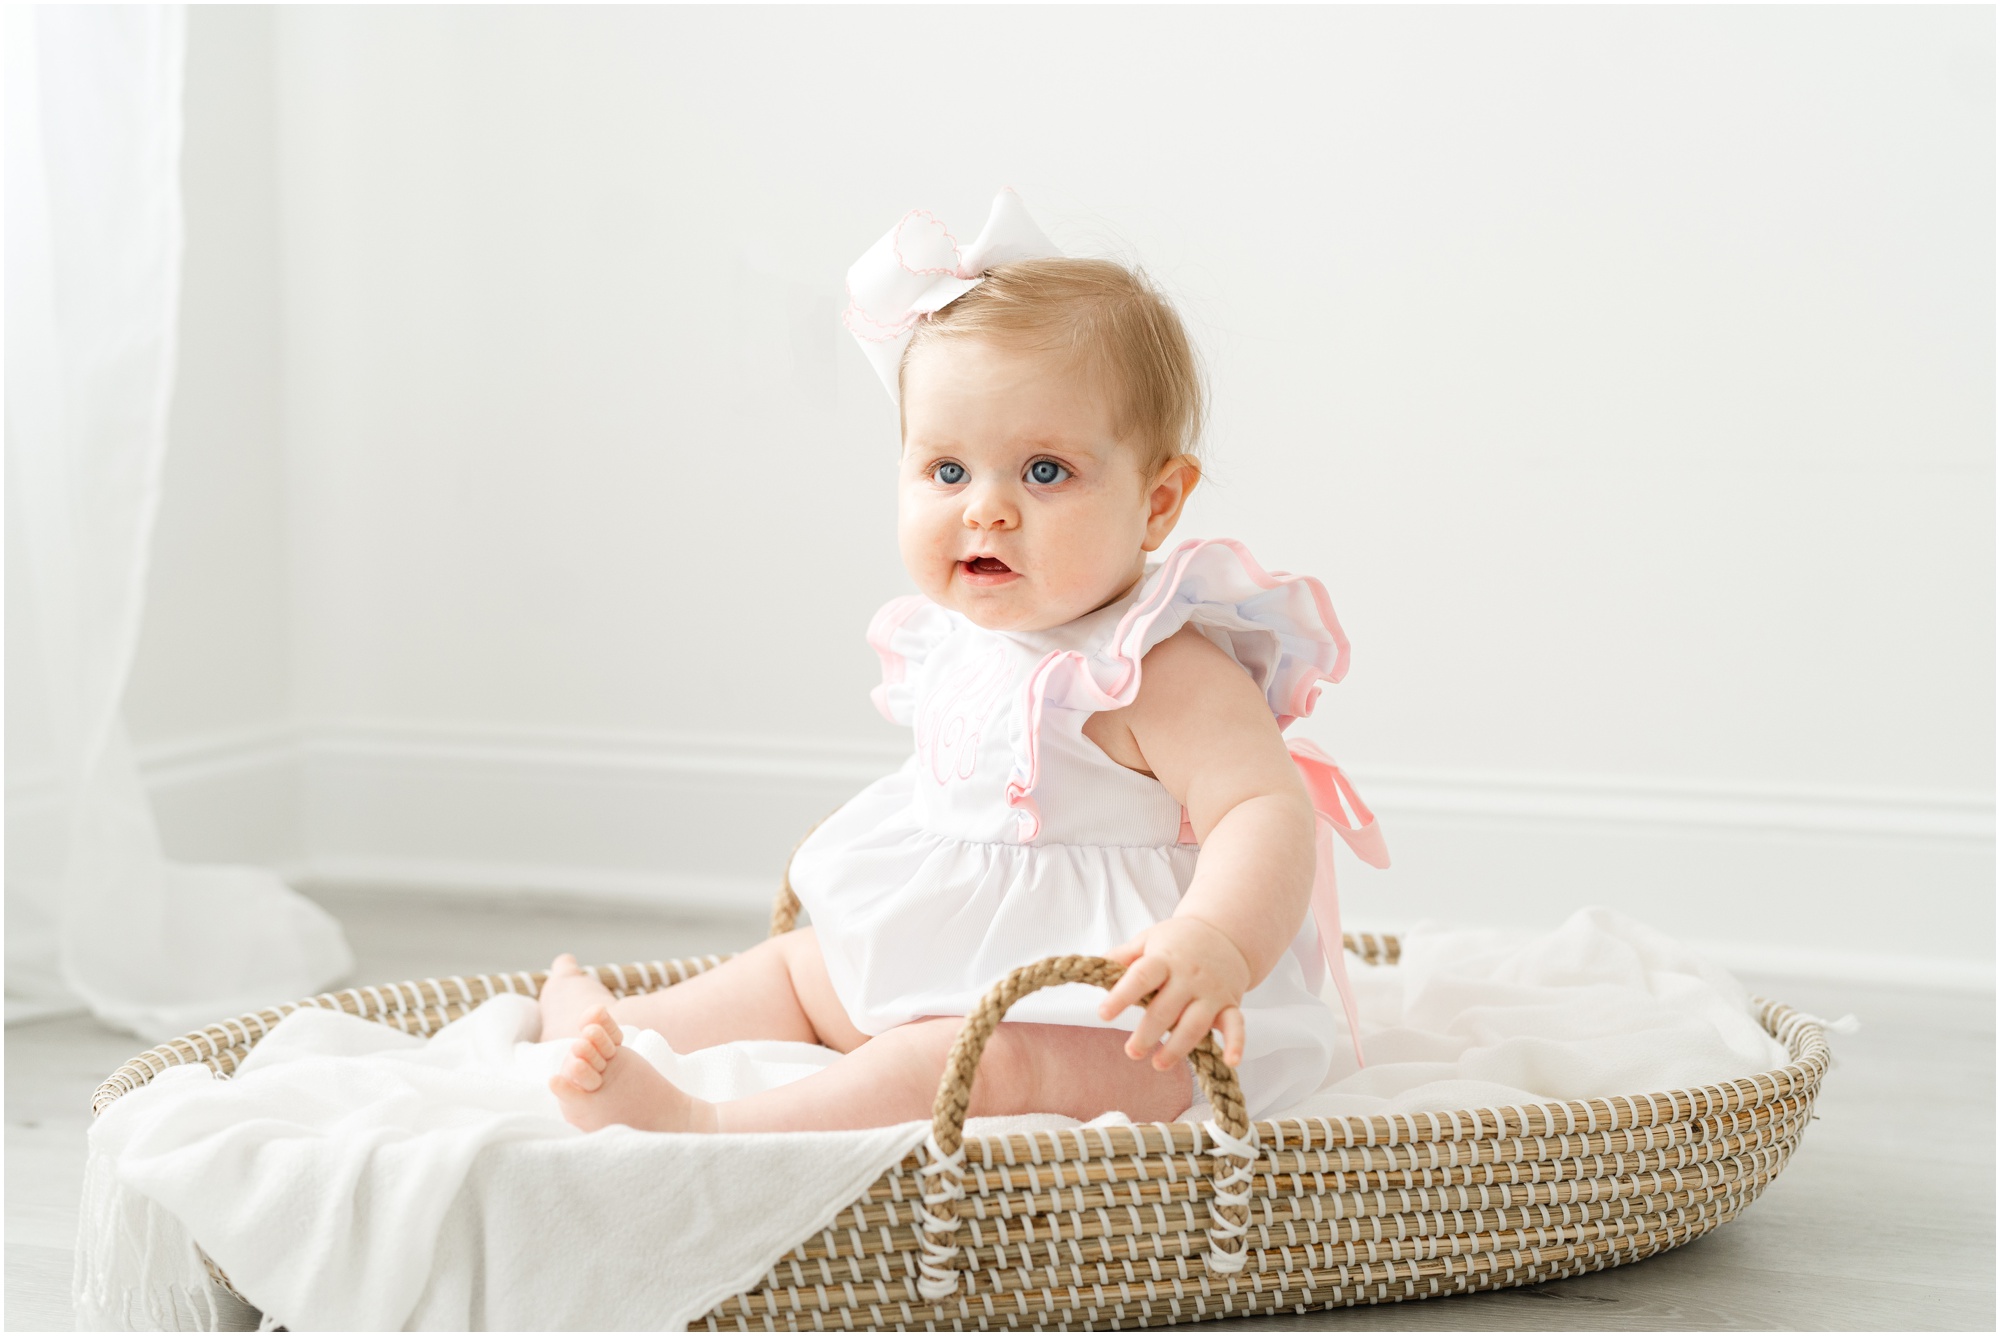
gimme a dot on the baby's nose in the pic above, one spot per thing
(990, 508)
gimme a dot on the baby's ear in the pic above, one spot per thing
(1167, 497)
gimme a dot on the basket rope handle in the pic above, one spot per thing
(944, 1170)
(785, 908)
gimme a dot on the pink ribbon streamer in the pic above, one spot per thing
(1332, 798)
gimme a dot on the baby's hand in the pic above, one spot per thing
(1200, 976)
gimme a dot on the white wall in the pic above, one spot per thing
(1627, 374)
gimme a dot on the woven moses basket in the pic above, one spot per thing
(1176, 1222)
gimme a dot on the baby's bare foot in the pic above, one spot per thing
(602, 1082)
(568, 997)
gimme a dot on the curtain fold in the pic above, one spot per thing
(95, 912)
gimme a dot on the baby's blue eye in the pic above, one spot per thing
(1047, 472)
(951, 475)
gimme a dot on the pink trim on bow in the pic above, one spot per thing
(886, 307)
(865, 326)
(1328, 788)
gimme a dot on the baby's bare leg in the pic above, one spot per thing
(1077, 1071)
(893, 1078)
(778, 989)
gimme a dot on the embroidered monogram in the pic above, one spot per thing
(953, 716)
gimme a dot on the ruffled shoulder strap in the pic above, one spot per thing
(1281, 628)
(903, 634)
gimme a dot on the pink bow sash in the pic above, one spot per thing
(1329, 789)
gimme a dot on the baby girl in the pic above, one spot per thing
(1099, 765)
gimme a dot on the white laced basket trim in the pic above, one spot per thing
(1229, 1251)
(943, 1177)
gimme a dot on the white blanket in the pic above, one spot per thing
(352, 1177)
(1604, 1005)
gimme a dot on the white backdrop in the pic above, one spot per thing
(1627, 375)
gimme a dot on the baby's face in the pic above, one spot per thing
(1019, 503)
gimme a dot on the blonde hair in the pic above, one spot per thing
(1111, 322)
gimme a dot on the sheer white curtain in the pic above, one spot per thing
(95, 913)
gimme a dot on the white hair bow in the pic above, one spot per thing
(919, 269)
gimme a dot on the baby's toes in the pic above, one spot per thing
(579, 1071)
(583, 1049)
(603, 1047)
(600, 1018)
(563, 964)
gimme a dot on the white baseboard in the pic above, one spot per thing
(517, 883)
(230, 798)
(1754, 960)
(1887, 886)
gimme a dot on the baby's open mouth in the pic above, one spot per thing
(986, 566)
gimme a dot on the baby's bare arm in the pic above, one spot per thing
(1202, 727)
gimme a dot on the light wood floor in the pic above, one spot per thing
(1884, 1219)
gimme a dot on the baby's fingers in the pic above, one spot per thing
(1162, 1014)
(1126, 952)
(1189, 1029)
(1141, 978)
(1230, 1021)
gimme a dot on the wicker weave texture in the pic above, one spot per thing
(1126, 1226)
(1116, 1227)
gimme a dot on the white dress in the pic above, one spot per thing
(1009, 836)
